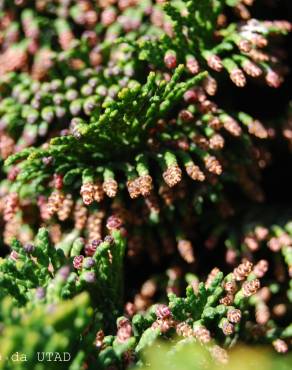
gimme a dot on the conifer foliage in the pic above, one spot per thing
(130, 167)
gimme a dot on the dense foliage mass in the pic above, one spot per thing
(136, 173)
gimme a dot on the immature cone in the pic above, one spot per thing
(280, 310)
(261, 233)
(250, 287)
(12, 59)
(149, 288)
(227, 328)
(261, 268)
(114, 223)
(237, 77)
(245, 46)
(42, 63)
(227, 300)
(285, 239)
(145, 183)
(94, 225)
(11, 228)
(260, 41)
(58, 181)
(211, 277)
(242, 11)
(95, 58)
(13, 172)
(164, 325)
(251, 243)
(213, 165)
(129, 309)
(77, 262)
(184, 330)
(14, 255)
(258, 56)
(133, 187)
(216, 142)
(242, 271)
(214, 62)
(207, 106)
(80, 216)
(42, 205)
(185, 249)
(219, 354)
(251, 69)
(6, 145)
(232, 126)
(190, 96)
(90, 248)
(201, 141)
(11, 206)
(163, 311)
(273, 79)
(55, 201)
(172, 175)
(274, 244)
(202, 334)
(55, 232)
(193, 65)
(230, 286)
(65, 39)
(170, 60)
(210, 85)
(257, 129)
(231, 254)
(87, 192)
(262, 313)
(98, 192)
(280, 346)
(108, 16)
(66, 208)
(234, 315)
(195, 173)
(110, 187)
(141, 303)
(124, 330)
(215, 123)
